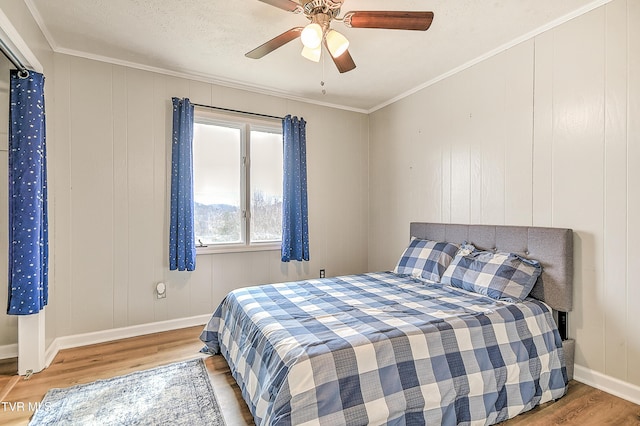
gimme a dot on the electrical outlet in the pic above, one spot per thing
(161, 290)
(322, 275)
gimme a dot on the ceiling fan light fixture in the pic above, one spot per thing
(337, 43)
(321, 13)
(312, 54)
(311, 36)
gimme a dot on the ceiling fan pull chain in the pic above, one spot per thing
(324, 92)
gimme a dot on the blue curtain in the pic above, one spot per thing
(28, 237)
(295, 215)
(182, 246)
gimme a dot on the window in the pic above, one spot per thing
(237, 178)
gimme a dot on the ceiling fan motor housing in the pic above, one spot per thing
(329, 7)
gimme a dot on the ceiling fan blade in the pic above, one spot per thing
(393, 20)
(274, 43)
(288, 5)
(344, 62)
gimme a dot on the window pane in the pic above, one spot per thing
(216, 181)
(266, 186)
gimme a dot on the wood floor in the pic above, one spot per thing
(583, 405)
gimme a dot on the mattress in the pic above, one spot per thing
(380, 348)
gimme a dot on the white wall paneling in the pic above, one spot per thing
(58, 312)
(546, 133)
(578, 169)
(542, 137)
(121, 221)
(141, 124)
(115, 125)
(90, 300)
(458, 151)
(615, 191)
(632, 282)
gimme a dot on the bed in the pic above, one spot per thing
(396, 348)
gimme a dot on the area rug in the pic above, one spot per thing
(175, 394)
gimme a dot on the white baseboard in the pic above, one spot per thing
(76, 340)
(607, 384)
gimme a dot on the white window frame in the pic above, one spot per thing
(245, 124)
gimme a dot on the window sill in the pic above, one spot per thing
(237, 248)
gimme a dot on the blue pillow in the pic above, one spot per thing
(501, 276)
(426, 259)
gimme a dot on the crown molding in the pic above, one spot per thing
(286, 95)
(206, 79)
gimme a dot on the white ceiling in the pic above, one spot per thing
(207, 40)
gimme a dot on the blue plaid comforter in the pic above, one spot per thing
(385, 349)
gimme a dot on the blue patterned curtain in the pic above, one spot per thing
(295, 215)
(182, 246)
(28, 238)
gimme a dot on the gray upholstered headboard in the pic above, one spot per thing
(552, 247)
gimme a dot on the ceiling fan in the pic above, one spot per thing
(318, 32)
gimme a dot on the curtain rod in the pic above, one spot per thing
(6, 51)
(237, 111)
